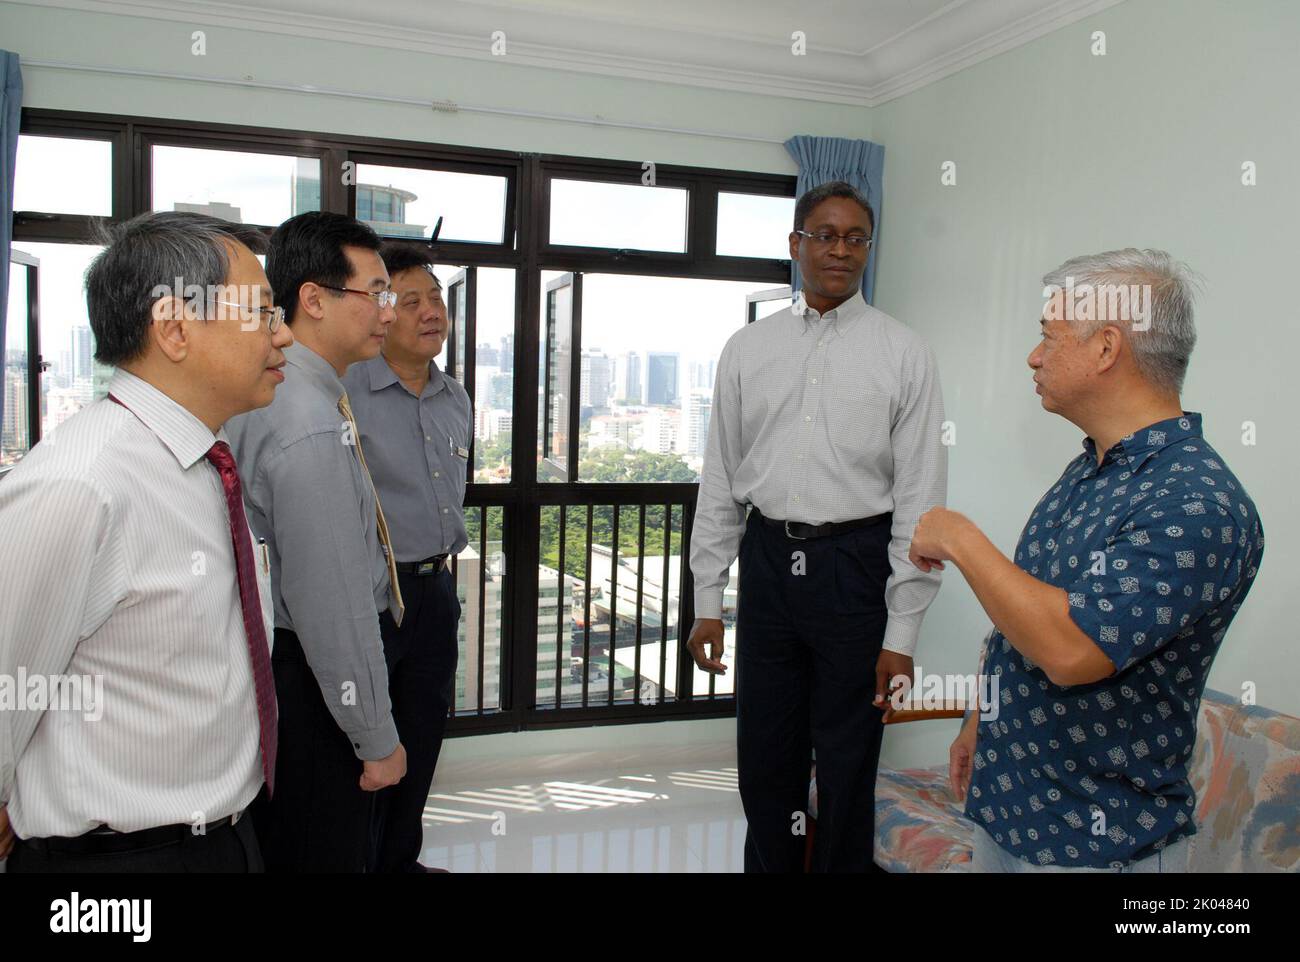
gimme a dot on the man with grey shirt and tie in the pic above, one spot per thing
(826, 421)
(310, 497)
(416, 424)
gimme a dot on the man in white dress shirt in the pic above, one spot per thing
(133, 629)
(827, 421)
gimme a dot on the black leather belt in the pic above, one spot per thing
(799, 531)
(105, 841)
(429, 566)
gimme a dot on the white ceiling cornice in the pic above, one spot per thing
(573, 35)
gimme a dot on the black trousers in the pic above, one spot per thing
(811, 621)
(231, 848)
(422, 657)
(319, 818)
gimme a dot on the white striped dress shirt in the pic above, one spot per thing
(118, 563)
(821, 418)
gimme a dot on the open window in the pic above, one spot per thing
(561, 333)
(766, 303)
(22, 364)
(263, 188)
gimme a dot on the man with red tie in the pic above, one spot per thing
(136, 604)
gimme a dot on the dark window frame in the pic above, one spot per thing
(525, 249)
(433, 161)
(35, 363)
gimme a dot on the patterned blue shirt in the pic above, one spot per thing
(1156, 548)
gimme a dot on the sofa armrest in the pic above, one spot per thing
(924, 714)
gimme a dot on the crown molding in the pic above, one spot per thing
(953, 38)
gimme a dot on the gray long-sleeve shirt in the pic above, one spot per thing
(821, 418)
(417, 450)
(307, 496)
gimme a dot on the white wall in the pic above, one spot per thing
(1062, 153)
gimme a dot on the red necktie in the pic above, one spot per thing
(254, 628)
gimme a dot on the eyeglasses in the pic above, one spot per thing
(824, 238)
(274, 316)
(382, 298)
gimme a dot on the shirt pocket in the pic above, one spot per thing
(264, 596)
(858, 422)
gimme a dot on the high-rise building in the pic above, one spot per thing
(15, 438)
(82, 353)
(384, 209)
(216, 208)
(507, 355)
(305, 185)
(660, 431)
(499, 423)
(632, 379)
(702, 374)
(699, 409)
(661, 379)
(597, 374)
(503, 390)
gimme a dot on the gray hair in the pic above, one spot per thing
(148, 254)
(1162, 345)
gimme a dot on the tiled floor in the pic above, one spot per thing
(591, 812)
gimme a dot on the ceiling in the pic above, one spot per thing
(861, 52)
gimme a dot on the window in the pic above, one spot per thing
(766, 303)
(480, 303)
(407, 202)
(16, 428)
(72, 377)
(557, 370)
(624, 216)
(754, 225)
(608, 587)
(618, 301)
(480, 576)
(247, 188)
(64, 175)
(648, 358)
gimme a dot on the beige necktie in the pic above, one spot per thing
(397, 608)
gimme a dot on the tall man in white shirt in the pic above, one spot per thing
(826, 420)
(130, 579)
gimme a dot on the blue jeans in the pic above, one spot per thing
(988, 856)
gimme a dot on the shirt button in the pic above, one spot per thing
(444, 510)
(814, 380)
(437, 474)
(427, 438)
(796, 497)
(807, 417)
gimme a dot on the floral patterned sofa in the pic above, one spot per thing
(1245, 769)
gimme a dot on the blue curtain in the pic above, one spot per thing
(860, 163)
(11, 99)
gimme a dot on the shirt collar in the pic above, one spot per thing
(1134, 449)
(315, 369)
(382, 376)
(184, 435)
(840, 316)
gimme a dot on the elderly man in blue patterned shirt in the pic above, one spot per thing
(1125, 579)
